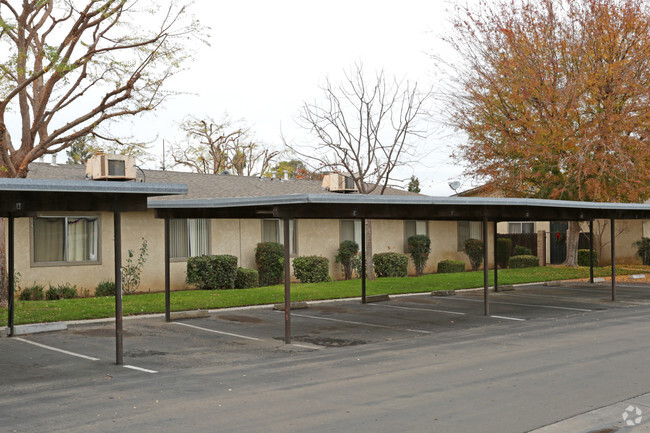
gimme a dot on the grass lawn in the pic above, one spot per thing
(93, 308)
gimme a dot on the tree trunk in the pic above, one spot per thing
(370, 273)
(572, 238)
(3, 264)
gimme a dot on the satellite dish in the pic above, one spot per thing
(454, 185)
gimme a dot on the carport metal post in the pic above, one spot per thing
(287, 284)
(613, 243)
(496, 264)
(168, 315)
(10, 278)
(363, 260)
(117, 241)
(486, 274)
(591, 251)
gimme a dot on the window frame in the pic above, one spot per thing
(98, 241)
(187, 222)
(521, 227)
(461, 245)
(406, 237)
(358, 226)
(293, 223)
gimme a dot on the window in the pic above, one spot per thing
(350, 230)
(469, 230)
(521, 227)
(412, 228)
(65, 239)
(189, 237)
(273, 231)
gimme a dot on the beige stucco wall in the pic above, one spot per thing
(627, 232)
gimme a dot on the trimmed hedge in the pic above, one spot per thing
(269, 257)
(212, 272)
(105, 288)
(419, 247)
(523, 251)
(524, 261)
(311, 269)
(504, 246)
(390, 264)
(247, 278)
(451, 266)
(474, 250)
(62, 291)
(583, 258)
(346, 253)
(643, 250)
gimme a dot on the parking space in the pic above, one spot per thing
(243, 335)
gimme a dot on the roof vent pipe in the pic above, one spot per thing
(54, 159)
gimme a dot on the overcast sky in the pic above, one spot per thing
(266, 58)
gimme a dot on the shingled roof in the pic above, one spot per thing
(201, 186)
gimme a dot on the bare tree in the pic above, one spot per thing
(366, 129)
(68, 68)
(213, 147)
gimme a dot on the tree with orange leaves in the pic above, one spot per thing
(554, 96)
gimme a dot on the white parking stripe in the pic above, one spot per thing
(507, 318)
(218, 332)
(78, 355)
(359, 323)
(516, 303)
(133, 367)
(418, 309)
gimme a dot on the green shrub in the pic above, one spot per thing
(474, 250)
(62, 291)
(451, 266)
(419, 247)
(504, 246)
(311, 269)
(390, 264)
(212, 272)
(643, 250)
(35, 292)
(346, 253)
(132, 271)
(247, 278)
(105, 288)
(526, 261)
(583, 258)
(523, 251)
(355, 262)
(269, 257)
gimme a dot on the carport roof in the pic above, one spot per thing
(22, 197)
(396, 207)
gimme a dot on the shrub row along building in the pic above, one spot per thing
(57, 247)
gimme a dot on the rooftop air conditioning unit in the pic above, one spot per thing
(337, 182)
(110, 167)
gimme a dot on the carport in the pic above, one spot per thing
(355, 206)
(28, 197)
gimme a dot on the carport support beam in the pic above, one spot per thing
(10, 277)
(287, 283)
(168, 314)
(591, 251)
(613, 244)
(496, 264)
(117, 241)
(486, 272)
(363, 261)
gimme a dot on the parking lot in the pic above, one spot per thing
(152, 345)
(414, 363)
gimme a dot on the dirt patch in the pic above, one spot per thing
(241, 319)
(331, 309)
(140, 353)
(328, 342)
(415, 300)
(97, 332)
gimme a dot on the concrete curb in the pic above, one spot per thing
(35, 328)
